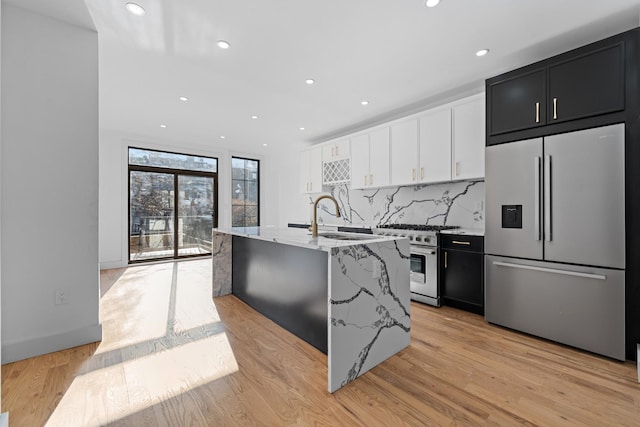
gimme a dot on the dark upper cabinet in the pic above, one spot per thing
(583, 88)
(588, 85)
(518, 102)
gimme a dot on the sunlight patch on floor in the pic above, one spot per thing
(123, 389)
(162, 336)
(143, 293)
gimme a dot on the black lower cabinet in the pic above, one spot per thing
(462, 272)
(287, 284)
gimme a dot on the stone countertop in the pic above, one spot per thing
(464, 231)
(366, 300)
(302, 237)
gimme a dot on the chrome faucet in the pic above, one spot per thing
(314, 224)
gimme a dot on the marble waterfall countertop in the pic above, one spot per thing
(302, 237)
(367, 296)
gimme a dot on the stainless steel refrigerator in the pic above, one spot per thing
(555, 238)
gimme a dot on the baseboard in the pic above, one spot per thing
(12, 352)
(4, 419)
(113, 264)
(638, 361)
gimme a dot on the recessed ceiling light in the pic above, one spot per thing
(136, 9)
(254, 117)
(309, 81)
(482, 52)
(163, 126)
(301, 128)
(222, 137)
(264, 145)
(183, 98)
(432, 3)
(365, 103)
(223, 44)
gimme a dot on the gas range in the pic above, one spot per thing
(424, 283)
(418, 234)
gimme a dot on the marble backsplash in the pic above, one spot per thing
(453, 203)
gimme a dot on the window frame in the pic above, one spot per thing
(258, 189)
(175, 173)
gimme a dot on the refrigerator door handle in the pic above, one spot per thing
(551, 270)
(547, 198)
(536, 197)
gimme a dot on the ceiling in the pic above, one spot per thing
(398, 54)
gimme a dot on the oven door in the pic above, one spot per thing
(424, 275)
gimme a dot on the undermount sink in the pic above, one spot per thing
(339, 236)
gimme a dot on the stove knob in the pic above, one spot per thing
(418, 239)
(410, 237)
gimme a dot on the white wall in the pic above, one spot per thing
(114, 192)
(294, 206)
(49, 212)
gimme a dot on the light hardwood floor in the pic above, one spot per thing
(172, 356)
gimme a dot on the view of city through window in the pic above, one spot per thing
(245, 192)
(172, 204)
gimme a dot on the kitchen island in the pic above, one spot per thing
(346, 294)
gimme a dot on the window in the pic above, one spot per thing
(172, 204)
(245, 192)
(162, 159)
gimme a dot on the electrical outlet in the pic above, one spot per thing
(60, 297)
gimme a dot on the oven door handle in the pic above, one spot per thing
(422, 252)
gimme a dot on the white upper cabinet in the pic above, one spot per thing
(360, 161)
(404, 152)
(379, 158)
(311, 170)
(443, 144)
(435, 147)
(468, 139)
(336, 167)
(370, 159)
(335, 150)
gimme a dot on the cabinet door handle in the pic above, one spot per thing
(445, 259)
(421, 173)
(537, 112)
(371, 179)
(459, 242)
(413, 174)
(337, 151)
(547, 198)
(307, 186)
(365, 180)
(555, 108)
(457, 168)
(536, 197)
(311, 186)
